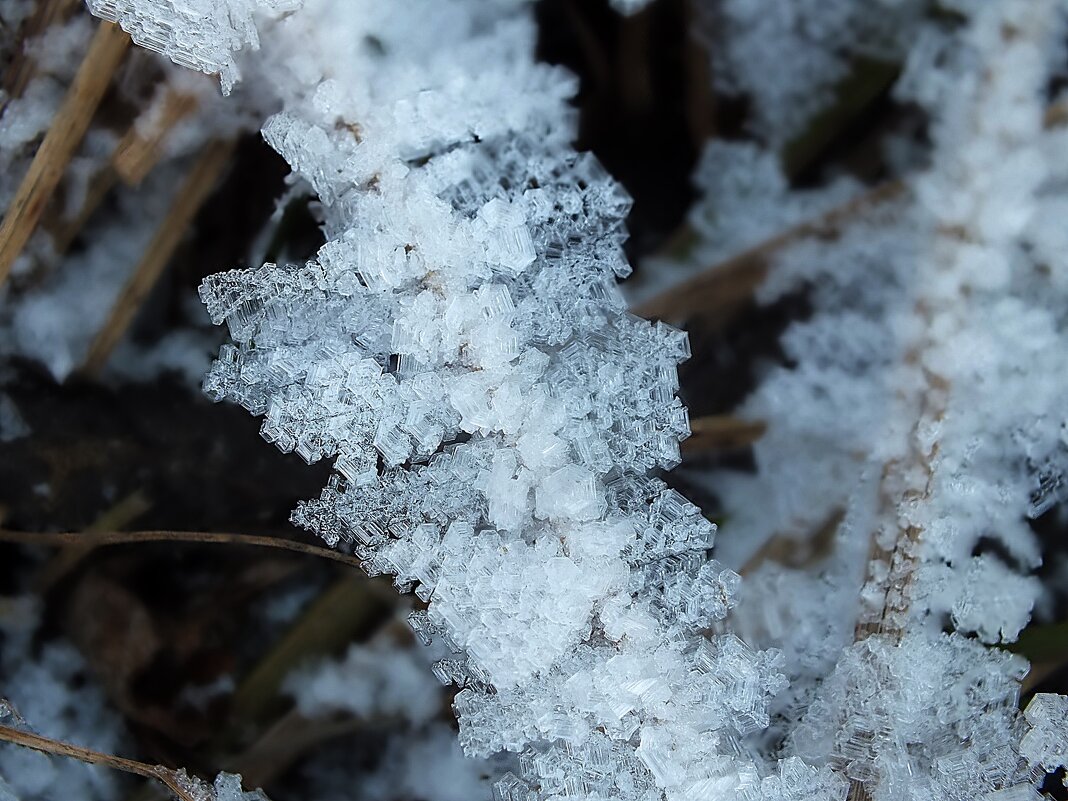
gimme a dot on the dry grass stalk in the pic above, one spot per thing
(731, 283)
(1056, 115)
(900, 561)
(184, 787)
(90, 540)
(135, 156)
(191, 196)
(75, 551)
(721, 433)
(723, 287)
(139, 151)
(59, 144)
(905, 484)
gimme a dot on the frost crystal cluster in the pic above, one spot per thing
(460, 347)
(934, 346)
(918, 427)
(199, 34)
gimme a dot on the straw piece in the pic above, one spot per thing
(187, 202)
(59, 144)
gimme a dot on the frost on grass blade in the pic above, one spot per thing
(460, 348)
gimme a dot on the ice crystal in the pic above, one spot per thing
(916, 427)
(1046, 743)
(461, 350)
(199, 34)
(227, 787)
(943, 724)
(924, 366)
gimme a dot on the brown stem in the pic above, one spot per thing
(720, 433)
(139, 150)
(192, 194)
(135, 156)
(94, 539)
(724, 286)
(59, 144)
(184, 787)
(733, 281)
(114, 518)
(906, 482)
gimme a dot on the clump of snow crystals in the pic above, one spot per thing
(918, 425)
(198, 34)
(460, 348)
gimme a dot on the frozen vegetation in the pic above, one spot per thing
(461, 350)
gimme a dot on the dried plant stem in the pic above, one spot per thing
(139, 151)
(135, 156)
(59, 144)
(99, 539)
(1056, 115)
(907, 483)
(905, 486)
(178, 782)
(70, 556)
(724, 286)
(732, 282)
(191, 196)
(722, 432)
(900, 556)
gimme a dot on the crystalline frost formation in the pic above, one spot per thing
(199, 34)
(460, 348)
(924, 403)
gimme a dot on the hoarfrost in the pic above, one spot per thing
(199, 34)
